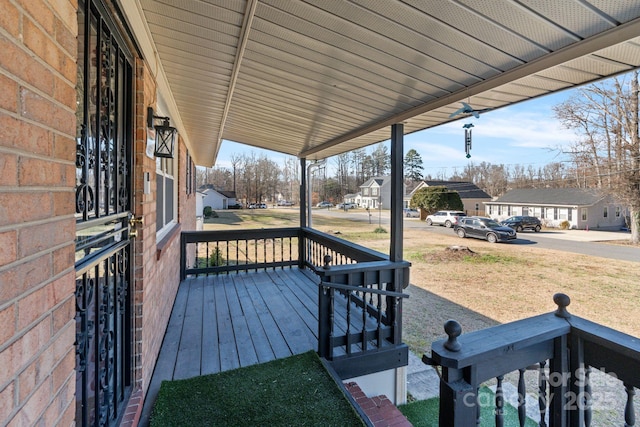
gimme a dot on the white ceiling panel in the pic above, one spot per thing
(315, 78)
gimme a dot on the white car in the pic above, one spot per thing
(347, 206)
(446, 218)
(324, 205)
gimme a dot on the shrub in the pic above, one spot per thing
(207, 211)
(565, 225)
(432, 199)
(216, 258)
(379, 230)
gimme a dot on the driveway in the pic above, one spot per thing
(594, 243)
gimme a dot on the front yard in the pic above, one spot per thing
(499, 284)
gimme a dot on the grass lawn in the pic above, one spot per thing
(500, 284)
(286, 392)
(424, 413)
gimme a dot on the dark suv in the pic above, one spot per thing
(484, 228)
(520, 223)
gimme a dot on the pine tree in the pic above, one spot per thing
(413, 165)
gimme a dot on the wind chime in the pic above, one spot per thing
(467, 109)
(467, 139)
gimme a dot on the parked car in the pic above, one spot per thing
(484, 228)
(346, 205)
(284, 203)
(324, 205)
(258, 206)
(446, 218)
(411, 213)
(520, 223)
(235, 206)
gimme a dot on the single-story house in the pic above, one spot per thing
(582, 209)
(218, 199)
(473, 198)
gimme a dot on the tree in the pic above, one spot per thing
(605, 117)
(413, 165)
(436, 198)
(380, 160)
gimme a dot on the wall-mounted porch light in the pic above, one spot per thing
(165, 135)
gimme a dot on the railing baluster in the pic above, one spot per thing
(629, 411)
(237, 255)
(522, 398)
(331, 320)
(499, 402)
(542, 394)
(587, 397)
(349, 323)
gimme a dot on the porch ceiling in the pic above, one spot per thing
(315, 78)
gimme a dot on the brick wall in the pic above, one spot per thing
(37, 226)
(156, 262)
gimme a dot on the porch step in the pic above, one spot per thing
(379, 409)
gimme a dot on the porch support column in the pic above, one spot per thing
(303, 212)
(303, 192)
(397, 193)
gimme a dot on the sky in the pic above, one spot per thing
(523, 134)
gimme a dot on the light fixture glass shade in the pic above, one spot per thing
(165, 140)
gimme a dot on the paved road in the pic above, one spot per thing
(594, 243)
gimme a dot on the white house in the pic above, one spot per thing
(582, 209)
(376, 193)
(218, 199)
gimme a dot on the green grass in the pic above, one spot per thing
(492, 259)
(424, 413)
(286, 392)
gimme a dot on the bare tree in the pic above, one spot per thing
(605, 117)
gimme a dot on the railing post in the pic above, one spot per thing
(559, 370)
(458, 398)
(324, 320)
(302, 256)
(183, 257)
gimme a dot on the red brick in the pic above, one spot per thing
(8, 171)
(16, 280)
(37, 238)
(34, 406)
(63, 315)
(8, 248)
(65, 92)
(7, 401)
(8, 93)
(66, 36)
(64, 258)
(44, 172)
(63, 397)
(69, 417)
(9, 18)
(30, 138)
(35, 305)
(17, 62)
(63, 203)
(8, 322)
(17, 208)
(64, 370)
(64, 148)
(42, 110)
(41, 12)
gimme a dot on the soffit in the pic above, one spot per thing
(316, 78)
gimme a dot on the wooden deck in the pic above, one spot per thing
(225, 322)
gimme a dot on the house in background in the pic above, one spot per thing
(218, 199)
(375, 193)
(473, 198)
(582, 209)
(353, 198)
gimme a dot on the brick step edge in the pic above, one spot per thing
(379, 409)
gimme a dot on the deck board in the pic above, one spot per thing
(229, 321)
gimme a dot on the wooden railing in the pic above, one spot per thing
(565, 349)
(360, 291)
(360, 316)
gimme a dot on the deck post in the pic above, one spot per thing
(395, 251)
(303, 212)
